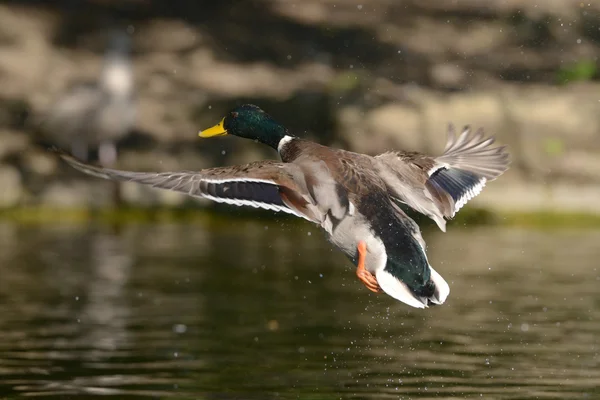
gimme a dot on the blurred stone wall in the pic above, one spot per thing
(366, 75)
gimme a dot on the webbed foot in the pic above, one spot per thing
(365, 276)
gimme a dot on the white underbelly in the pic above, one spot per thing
(350, 231)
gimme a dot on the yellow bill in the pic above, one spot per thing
(217, 130)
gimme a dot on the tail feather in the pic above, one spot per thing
(442, 289)
(397, 289)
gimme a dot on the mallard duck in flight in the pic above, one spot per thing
(354, 197)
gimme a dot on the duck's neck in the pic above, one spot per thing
(271, 134)
(283, 142)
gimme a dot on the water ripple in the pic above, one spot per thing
(264, 311)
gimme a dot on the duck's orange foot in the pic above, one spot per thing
(365, 276)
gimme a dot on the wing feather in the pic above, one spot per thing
(439, 186)
(264, 184)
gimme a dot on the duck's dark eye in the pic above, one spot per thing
(234, 114)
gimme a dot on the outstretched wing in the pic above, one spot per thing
(440, 186)
(468, 162)
(264, 184)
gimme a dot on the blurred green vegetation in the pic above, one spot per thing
(583, 70)
(220, 215)
(554, 146)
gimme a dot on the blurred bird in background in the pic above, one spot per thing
(94, 116)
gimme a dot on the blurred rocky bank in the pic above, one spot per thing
(366, 75)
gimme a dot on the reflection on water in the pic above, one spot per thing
(248, 310)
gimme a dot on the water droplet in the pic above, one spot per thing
(359, 6)
(179, 328)
(524, 327)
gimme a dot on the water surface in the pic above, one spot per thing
(257, 310)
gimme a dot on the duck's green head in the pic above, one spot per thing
(250, 122)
